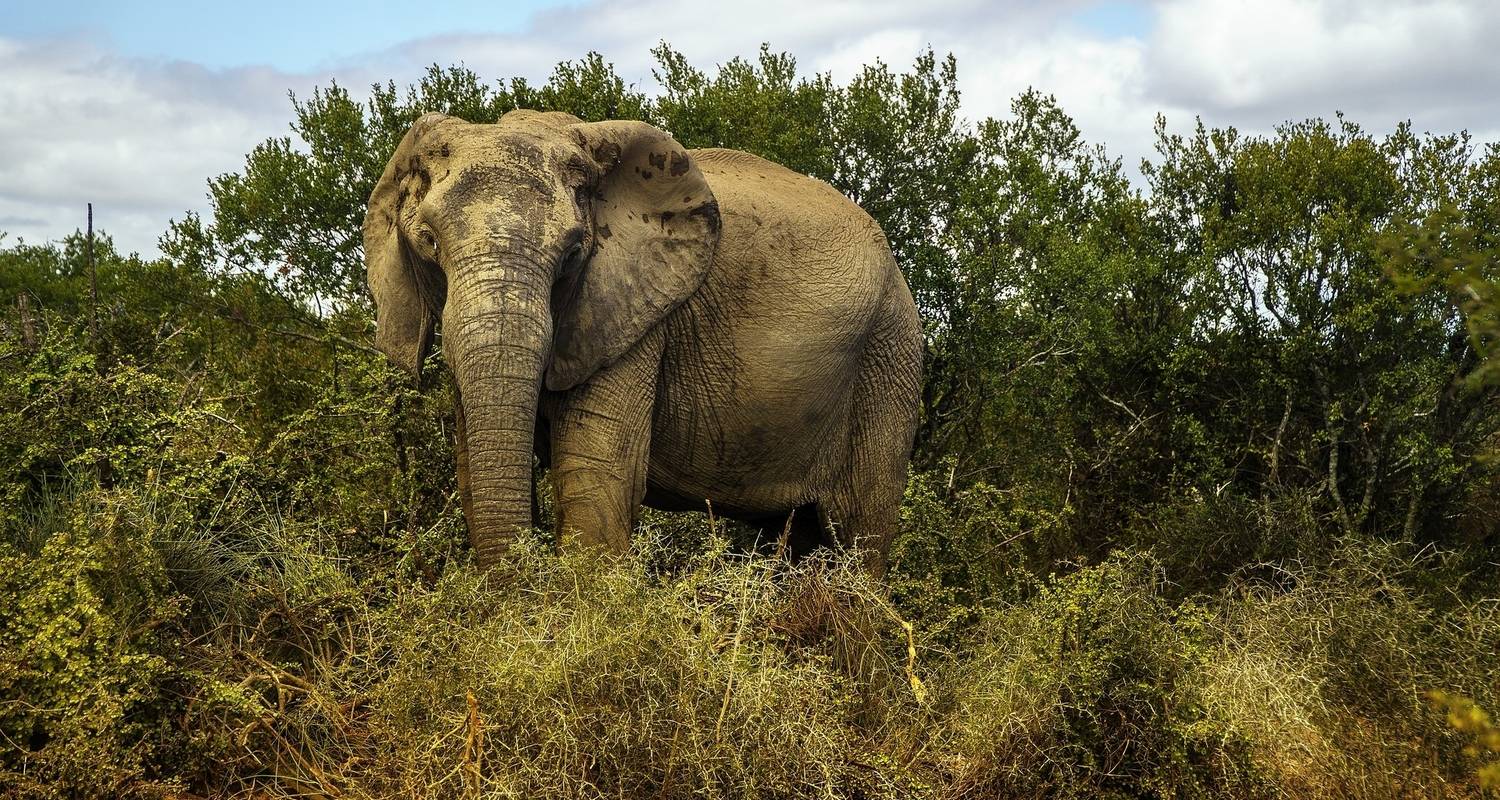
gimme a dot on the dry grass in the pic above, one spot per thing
(575, 677)
(696, 672)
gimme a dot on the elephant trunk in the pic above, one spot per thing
(497, 330)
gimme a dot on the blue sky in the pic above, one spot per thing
(1115, 18)
(134, 106)
(289, 35)
(305, 36)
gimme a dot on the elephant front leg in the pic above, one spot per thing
(601, 437)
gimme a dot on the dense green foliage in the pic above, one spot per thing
(1203, 502)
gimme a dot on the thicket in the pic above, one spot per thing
(1203, 504)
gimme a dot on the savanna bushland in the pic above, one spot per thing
(1204, 502)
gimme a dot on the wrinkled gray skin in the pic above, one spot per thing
(662, 326)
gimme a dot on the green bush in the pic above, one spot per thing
(85, 671)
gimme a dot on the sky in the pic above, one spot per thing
(134, 106)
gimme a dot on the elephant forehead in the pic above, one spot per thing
(499, 198)
(490, 183)
(494, 144)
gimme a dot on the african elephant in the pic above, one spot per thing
(660, 325)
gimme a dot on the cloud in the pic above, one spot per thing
(140, 137)
(626, 30)
(1378, 60)
(136, 138)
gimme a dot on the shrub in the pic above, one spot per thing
(84, 672)
(1094, 688)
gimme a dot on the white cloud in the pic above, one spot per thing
(136, 138)
(139, 138)
(1096, 81)
(1378, 60)
(845, 59)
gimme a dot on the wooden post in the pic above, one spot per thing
(93, 282)
(28, 327)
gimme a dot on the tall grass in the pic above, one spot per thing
(145, 656)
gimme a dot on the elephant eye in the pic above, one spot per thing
(571, 259)
(431, 242)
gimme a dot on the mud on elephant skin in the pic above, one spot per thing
(682, 326)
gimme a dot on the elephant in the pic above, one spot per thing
(659, 326)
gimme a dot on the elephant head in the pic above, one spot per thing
(545, 247)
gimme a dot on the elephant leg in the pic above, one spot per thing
(601, 437)
(865, 508)
(799, 533)
(867, 520)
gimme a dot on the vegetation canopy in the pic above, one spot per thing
(1204, 502)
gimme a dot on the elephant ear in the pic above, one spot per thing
(405, 310)
(656, 225)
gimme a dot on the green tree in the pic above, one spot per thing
(1337, 379)
(762, 107)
